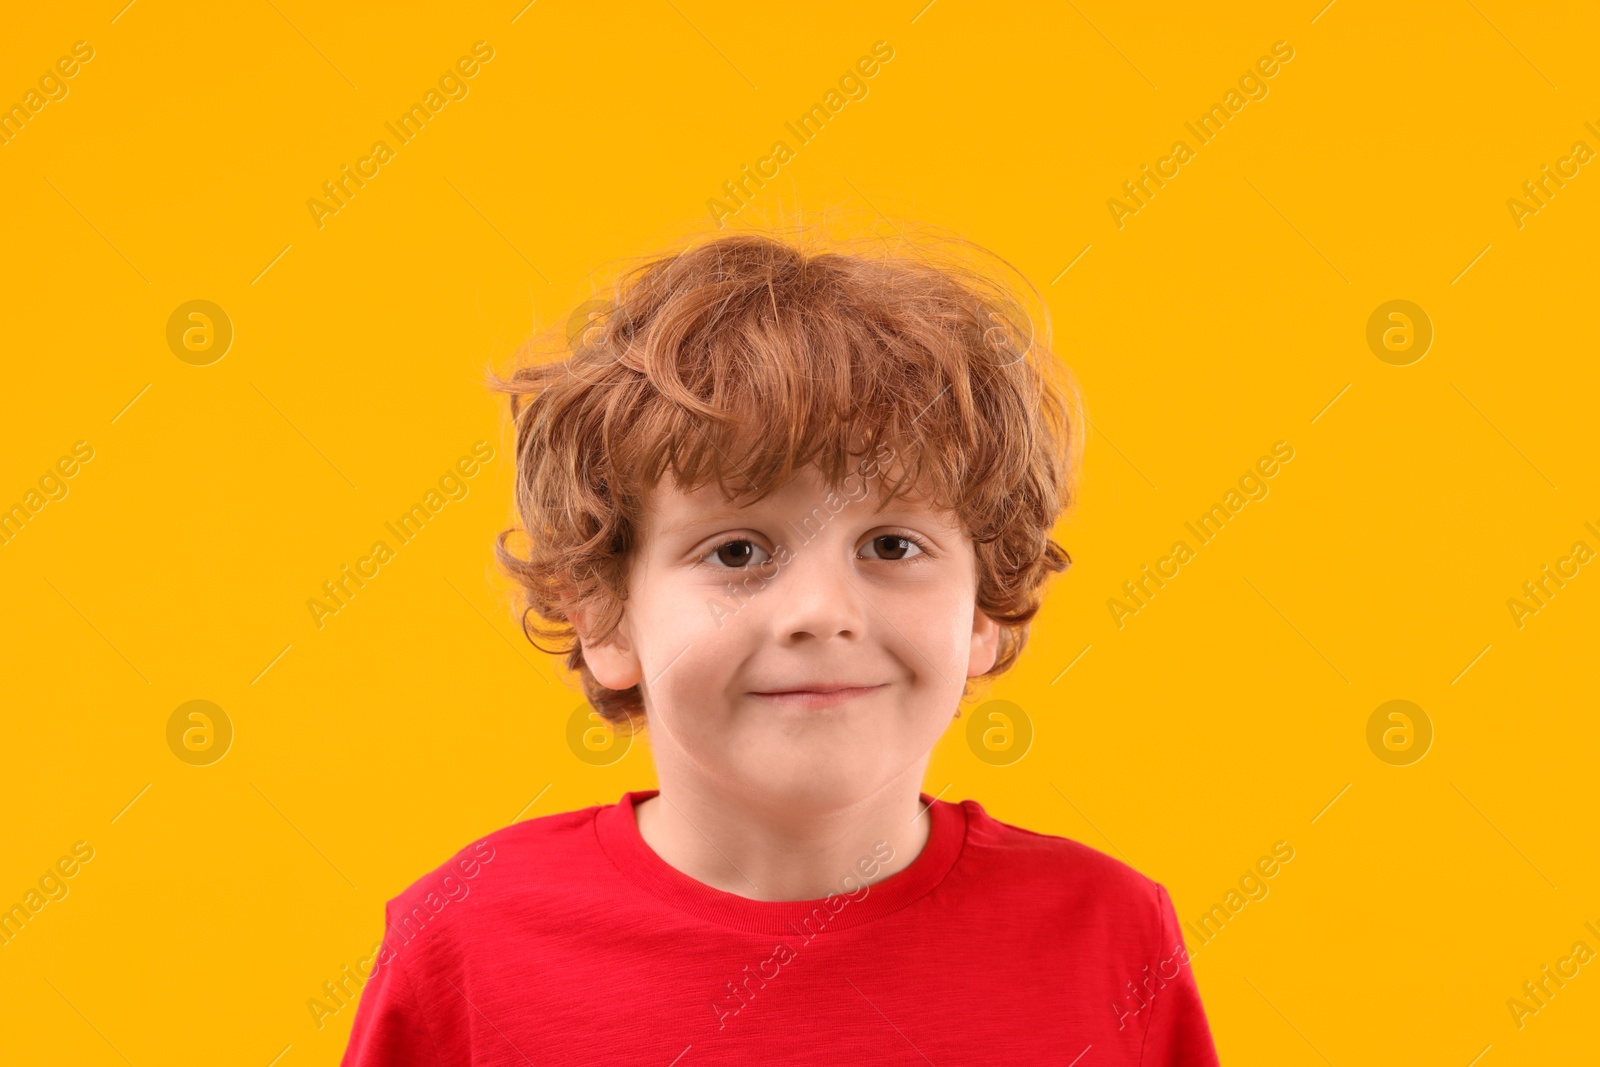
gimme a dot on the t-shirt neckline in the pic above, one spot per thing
(618, 832)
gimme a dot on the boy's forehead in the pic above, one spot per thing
(669, 508)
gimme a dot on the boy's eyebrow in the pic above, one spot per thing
(702, 518)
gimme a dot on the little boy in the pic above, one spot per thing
(786, 508)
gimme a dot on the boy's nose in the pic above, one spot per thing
(818, 595)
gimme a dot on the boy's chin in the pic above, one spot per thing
(819, 784)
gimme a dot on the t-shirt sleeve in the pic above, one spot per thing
(1179, 1035)
(390, 1029)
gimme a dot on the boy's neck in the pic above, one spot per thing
(728, 843)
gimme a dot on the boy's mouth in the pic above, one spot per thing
(817, 696)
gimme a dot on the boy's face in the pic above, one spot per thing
(859, 604)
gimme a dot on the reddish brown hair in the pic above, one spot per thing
(745, 358)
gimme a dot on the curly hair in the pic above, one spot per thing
(746, 358)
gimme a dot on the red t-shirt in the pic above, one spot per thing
(566, 940)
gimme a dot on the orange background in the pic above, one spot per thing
(1229, 313)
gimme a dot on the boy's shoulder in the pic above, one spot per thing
(524, 859)
(1059, 873)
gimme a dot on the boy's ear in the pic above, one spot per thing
(985, 644)
(613, 663)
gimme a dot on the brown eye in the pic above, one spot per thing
(735, 555)
(896, 547)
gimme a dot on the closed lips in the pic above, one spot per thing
(818, 699)
(812, 689)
